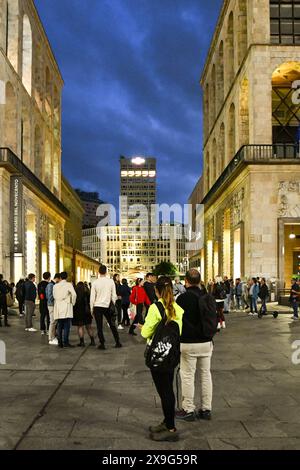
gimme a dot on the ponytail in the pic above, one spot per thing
(165, 289)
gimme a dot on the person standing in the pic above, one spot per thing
(64, 300)
(125, 294)
(178, 288)
(82, 314)
(118, 303)
(163, 379)
(149, 286)
(3, 302)
(30, 292)
(227, 299)
(103, 296)
(20, 297)
(295, 298)
(219, 292)
(245, 295)
(263, 295)
(44, 312)
(196, 349)
(139, 298)
(238, 292)
(53, 341)
(253, 294)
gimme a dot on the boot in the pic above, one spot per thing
(81, 344)
(92, 341)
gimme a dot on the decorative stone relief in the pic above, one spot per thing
(237, 206)
(44, 227)
(288, 199)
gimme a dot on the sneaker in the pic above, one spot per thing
(295, 318)
(184, 415)
(26, 329)
(33, 330)
(54, 342)
(250, 314)
(219, 326)
(159, 428)
(120, 327)
(47, 333)
(43, 333)
(255, 314)
(165, 436)
(224, 325)
(206, 415)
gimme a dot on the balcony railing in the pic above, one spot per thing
(256, 154)
(10, 160)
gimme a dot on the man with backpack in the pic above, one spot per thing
(199, 327)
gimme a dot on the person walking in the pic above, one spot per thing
(245, 295)
(20, 297)
(64, 300)
(196, 350)
(263, 295)
(227, 299)
(30, 293)
(238, 293)
(82, 314)
(53, 341)
(163, 379)
(219, 292)
(44, 312)
(138, 298)
(125, 294)
(253, 294)
(118, 303)
(103, 297)
(295, 298)
(3, 302)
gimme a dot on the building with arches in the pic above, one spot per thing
(251, 159)
(32, 215)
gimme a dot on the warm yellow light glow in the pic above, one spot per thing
(18, 266)
(52, 250)
(138, 174)
(124, 173)
(152, 174)
(237, 254)
(45, 258)
(209, 259)
(130, 174)
(138, 161)
(31, 244)
(145, 174)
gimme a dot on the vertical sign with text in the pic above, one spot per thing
(16, 197)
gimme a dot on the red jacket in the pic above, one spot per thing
(138, 296)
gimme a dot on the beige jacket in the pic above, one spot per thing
(64, 299)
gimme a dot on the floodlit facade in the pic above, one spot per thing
(32, 216)
(251, 172)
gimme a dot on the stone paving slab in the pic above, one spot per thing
(91, 399)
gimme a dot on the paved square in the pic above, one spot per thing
(90, 399)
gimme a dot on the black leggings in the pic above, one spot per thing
(125, 308)
(164, 385)
(138, 318)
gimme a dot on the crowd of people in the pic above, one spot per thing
(152, 305)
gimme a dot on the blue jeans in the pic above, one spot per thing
(253, 304)
(227, 303)
(295, 306)
(63, 325)
(263, 308)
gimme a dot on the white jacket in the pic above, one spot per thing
(103, 292)
(64, 299)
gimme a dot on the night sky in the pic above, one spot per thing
(131, 70)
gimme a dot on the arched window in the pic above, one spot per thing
(10, 118)
(222, 149)
(220, 77)
(244, 113)
(48, 101)
(12, 33)
(25, 139)
(27, 54)
(230, 50)
(48, 165)
(242, 31)
(206, 111)
(213, 95)
(56, 106)
(231, 133)
(207, 166)
(214, 170)
(38, 81)
(56, 174)
(38, 152)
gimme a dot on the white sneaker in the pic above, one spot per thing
(32, 330)
(224, 325)
(255, 314)
(43, 333)
(26, 329)
(250, 314)
(295, 318)
(219, 326)
(120, 327)
(54, 342)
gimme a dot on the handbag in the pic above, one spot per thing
(9, 300)
(132, 312)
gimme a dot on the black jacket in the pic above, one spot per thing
(150, 291)
(3, 292)
(263, 292)
(125, 292)
(29, 291)
(190, 305)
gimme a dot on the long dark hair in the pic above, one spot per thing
(164, 288)
(80, 290)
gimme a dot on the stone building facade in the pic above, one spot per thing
(32, 216)
(251, 170)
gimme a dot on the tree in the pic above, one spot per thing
(165, 268)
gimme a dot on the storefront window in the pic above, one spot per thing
(285, 21)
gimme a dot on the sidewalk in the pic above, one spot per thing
(90, 399)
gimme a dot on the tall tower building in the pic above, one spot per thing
(138, 193)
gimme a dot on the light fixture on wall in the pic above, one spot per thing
(292, 235)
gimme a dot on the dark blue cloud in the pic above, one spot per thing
(131, 70)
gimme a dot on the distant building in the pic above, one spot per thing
(196, 255)
(90, 201)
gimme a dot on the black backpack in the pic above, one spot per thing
(208, 324)
(163, 353)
